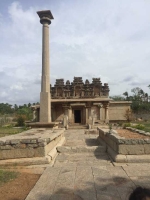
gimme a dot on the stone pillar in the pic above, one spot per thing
(33, 114)
(45, 100)
(86, 115)
(106, 113)
(101, 112)
(70, 114)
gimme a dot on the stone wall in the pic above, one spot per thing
(58, 113)
(117, 110)
(142, 116)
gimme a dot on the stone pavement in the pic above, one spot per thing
(81, 174)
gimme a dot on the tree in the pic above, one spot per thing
(29, 105)
(140, 100)
(126, 95)
(6, 108)
(15, 107)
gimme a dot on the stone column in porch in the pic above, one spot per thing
(100, 111)
(66, 115)
(86, 115)
(106, 113)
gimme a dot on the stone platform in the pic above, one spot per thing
(35, 146)
(125, 150)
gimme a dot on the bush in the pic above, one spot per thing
(126, 125)
(21, 120)
(139, 126)
(128, 115)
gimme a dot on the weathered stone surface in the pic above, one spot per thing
(131, 149)
(6, 147)
(138, 158)
(31, 143)
(15, 141)
(116, 157)
(147, 148)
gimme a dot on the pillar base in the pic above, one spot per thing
(45, 107)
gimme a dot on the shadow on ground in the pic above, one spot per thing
(92, 142)
(116, 188)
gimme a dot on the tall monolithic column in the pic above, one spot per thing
(45, 99)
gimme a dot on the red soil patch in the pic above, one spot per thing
(129, 134)
(19, 188)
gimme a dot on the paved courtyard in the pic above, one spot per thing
(83, 171)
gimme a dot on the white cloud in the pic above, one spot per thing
(16, 87)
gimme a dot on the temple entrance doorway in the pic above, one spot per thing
(77, 116)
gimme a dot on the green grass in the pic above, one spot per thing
(6, 176)
(4, 131)
(146, 125)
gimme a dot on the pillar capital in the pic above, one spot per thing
(45, 16)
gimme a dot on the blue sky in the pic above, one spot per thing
(90, 38)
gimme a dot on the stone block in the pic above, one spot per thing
(147, 148)
(22, 146)
(131, 149)
(116, 157)
(22, 153)
(42, 144)
(39, 152)
(33, 141)
(25, 141)
(2, 143)
(6, 147)
(14, 141)
(32, 145)
(138, 158)
(8, 142)
(52, 143)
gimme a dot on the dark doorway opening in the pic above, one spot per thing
(77, 116)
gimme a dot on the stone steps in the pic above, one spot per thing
(96, 150)
(77, 127)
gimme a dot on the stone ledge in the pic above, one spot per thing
(138, 131)
(91, 131)
(25, 161)
(97, 150)
(128, 158)
(43, 125)
(113, 135)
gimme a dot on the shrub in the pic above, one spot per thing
(110, 128)
(139, 126)
(128, 115)
(21, 120)
(126, 125)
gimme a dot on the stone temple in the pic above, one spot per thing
(83, 103)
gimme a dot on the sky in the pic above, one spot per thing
(89, 38)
